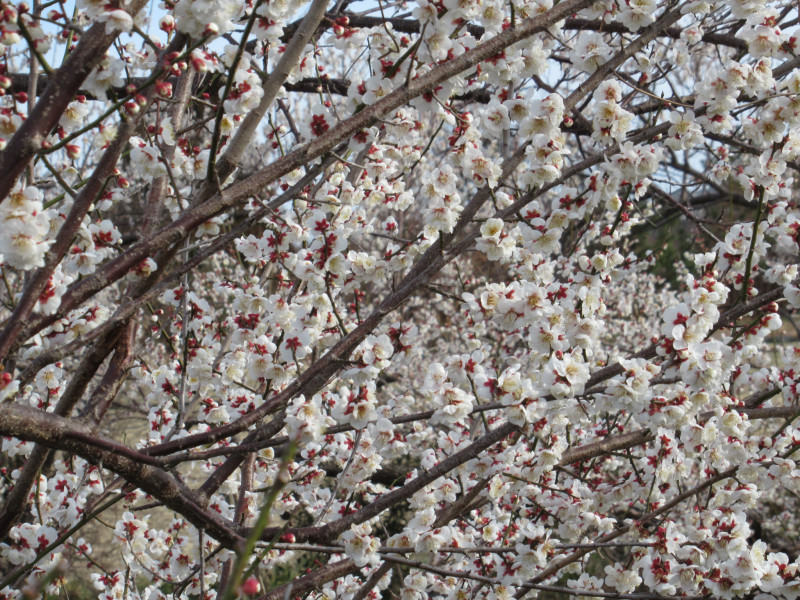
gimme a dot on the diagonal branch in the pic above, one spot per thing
(61, 88)
(240, 192)
(80, 207)
(56, 432)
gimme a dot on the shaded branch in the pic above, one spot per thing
(53, 431)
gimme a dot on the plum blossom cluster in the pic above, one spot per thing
(438, 300)
(25, 228)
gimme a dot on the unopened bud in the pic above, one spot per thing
(198, 64)
(164, 89)
(167, 23)
(9, 14)
(251, 587)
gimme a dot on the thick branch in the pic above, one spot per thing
(72, 223)
(240, 192)
(53, 431)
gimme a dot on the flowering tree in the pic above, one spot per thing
(341, 300)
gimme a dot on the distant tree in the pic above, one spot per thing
(355, 300)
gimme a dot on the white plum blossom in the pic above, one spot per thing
(590, 52)
(24, 226)
(304, 419)
(359, 545)
(116, 19)
(685, 132)
(201, 18)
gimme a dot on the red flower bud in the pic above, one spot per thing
(164, 89)
(251, 586)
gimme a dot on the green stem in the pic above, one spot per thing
(749, 263)
(240, 569)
